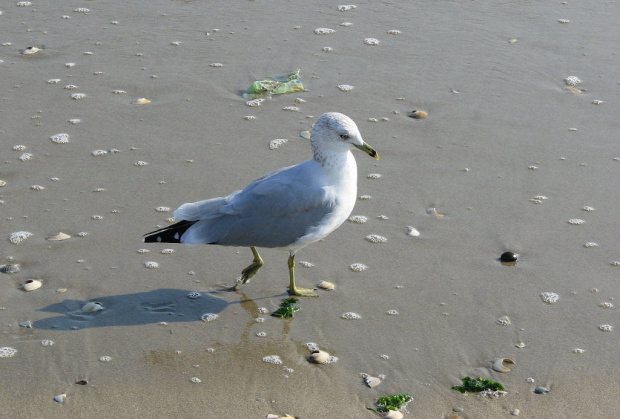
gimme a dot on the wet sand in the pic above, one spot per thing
(502, 133)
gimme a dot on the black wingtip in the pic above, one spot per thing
(171, 234)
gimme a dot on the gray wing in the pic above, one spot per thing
(273, 211)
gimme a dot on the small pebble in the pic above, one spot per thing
(509, 257)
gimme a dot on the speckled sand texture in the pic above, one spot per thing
(114, 113)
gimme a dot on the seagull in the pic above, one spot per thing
(287, 209)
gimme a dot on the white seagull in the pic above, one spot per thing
(286, 209)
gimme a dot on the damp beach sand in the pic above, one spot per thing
(114, 114)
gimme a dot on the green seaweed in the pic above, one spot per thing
(476, 385)
(287, 308)
(394, 402)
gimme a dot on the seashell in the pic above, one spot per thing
(60, 398)
(520, 345)
(499, 364)
(433, 211)
(319, 357)
(209, 317)
(541, 390)
(2, 183)
(325, 285)
(574, 90)
(417, 114)
(31, 50)
(394, 414)
(503, 321)
(371, 381)
(31, 285)
(413, 232)
(10, 268)
(92, 307)
(142, 101)
(81, 382)
(59, 237)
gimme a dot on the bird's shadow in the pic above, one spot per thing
(161, 305)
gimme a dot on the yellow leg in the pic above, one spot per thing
(292, 289)
(251, 270)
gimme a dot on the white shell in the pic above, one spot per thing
(394, 414)
(92, 307)
(32, 284)
(372, 382)
(319, 357)
(325, 285)
(142, 101)
(413, 232)
(60, 398)
(58, 237)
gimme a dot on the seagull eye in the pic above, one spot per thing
(344, 136)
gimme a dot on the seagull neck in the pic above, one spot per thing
(330, 159)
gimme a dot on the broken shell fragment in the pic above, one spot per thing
(31, 50)
(31, 285)
(325, 285)
(60, 398)
(499, 364)
(433, 211)
(319, 357)
(372, 382)
(142, 101)
(574, 90)
(92, 307)
(10, 268)
(58, 237)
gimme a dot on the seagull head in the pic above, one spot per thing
(334, 132)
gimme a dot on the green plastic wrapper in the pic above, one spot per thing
(275, 85)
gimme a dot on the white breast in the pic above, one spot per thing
(343, 187)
